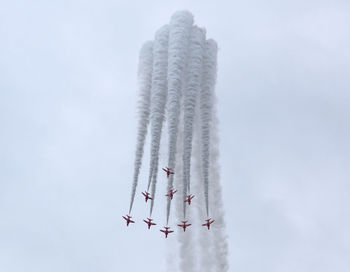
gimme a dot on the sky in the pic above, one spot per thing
(68, 93)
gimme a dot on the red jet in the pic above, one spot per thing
(171, 193)
(189, 198)
(147, 195)
(168, 171)
(149, 222)
(166, 231)
(208, 223)
(184, 225)
(128, 220)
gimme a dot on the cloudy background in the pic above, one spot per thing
(68, 131)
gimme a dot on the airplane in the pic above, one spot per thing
(147, 195)
(166, 231)
(189, 198)
(208, 223)
(128, 220)
(171, 193)
(168, 172)
(184, 225)
(149, 222)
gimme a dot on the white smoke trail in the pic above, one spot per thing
(179, 33)
(219, 232)
(203, 238)
(193, 85)
(206, 101)
(186, 252)
(183, 70)
(158, 101)
(144, 80)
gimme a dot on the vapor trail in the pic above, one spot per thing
(220, 248)
(186, 252)
(193, 85)
(144, 80)
(204, 238)
(219, 232)
(158, 101)
(206, 101)
(177, 75)
(180, 29)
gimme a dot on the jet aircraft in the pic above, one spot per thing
(171, 193)
(128, 220)
(168, 171)
(149, 222)
(147, 195)
(189, 198)
(208, 223)
(184, 225)
(166, 231)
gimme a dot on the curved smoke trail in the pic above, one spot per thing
(193, 85)
(145, 80)
(158, 100)
(206, 101)
(180, 29)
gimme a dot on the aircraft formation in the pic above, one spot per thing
(177, 75)
(177, 112)
(167, 230)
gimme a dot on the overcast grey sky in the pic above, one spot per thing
(68, 122)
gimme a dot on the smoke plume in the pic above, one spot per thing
(144, 80)
(180, 29)
(177, 75)
(158, 101)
